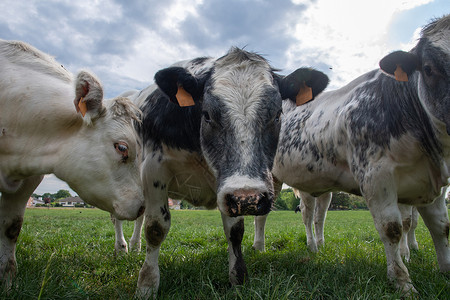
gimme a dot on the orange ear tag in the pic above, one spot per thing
(304, 95)
(400, 75)
(184, 98)
(82, 106)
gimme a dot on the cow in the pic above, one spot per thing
(387, 140)
(210, 131)
(92, 146)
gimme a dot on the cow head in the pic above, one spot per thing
(240, 98)
(101, 162)
(431, 58)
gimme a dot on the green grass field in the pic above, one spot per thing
(69, 254)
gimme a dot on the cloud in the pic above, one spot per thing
(51, 184)
(348, 36)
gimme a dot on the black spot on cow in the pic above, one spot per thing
(394, 232)
(163, 186)
(13, 230)
(154, 233)
(165, 212)
(156, 184)
(239, 268)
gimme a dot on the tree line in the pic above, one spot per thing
(340, 201)
(50, 198)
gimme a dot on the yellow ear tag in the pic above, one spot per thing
(304, 95)
(400, 75)
(82, 106)
(184, 98)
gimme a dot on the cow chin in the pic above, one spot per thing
(242, 195)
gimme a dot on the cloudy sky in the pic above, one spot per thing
(126, 42)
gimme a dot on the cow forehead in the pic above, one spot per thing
(438, 33)
(241, 85)
(441, 40)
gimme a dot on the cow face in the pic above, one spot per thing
(431, 58)
(240, 99)
(107, 173)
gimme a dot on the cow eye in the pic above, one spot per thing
(122, 149)
(428, 70)
(277, 118)
(206, 117)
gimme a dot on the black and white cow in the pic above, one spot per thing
(384, 139)
(210, 132)
(91, 145)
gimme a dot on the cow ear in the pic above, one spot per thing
(400, 64)
(88, 95)
(303, 85)
(179, 85)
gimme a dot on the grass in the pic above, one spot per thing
(69, 254)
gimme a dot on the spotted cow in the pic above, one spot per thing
(386, 139)
(210, 132)
(92, 146)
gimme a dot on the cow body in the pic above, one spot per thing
(216, 151)
(386, 140)
(41, 132)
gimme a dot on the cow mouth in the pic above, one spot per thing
(260, 204)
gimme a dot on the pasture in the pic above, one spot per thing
(69, 254)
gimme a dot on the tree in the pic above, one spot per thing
(47, 197)
(61, 194)
(286, 200)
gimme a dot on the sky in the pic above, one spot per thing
(126, 42)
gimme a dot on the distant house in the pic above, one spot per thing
(33, 201)
(174, 204)
(71, 202)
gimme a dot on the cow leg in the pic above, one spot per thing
(406, 212)
(322, 204)
(382, 202)
(12, 209)
(259, 240)
(234, 231)
(435, 217)
(412, 242)
(307, 207)
(156, 227)
(120, 246)
(135, 241)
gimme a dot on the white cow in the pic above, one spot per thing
(385, 139)
(92, 146)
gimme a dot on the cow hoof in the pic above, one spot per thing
(146, 293)
(259, 247)
(120, 249)
(408, 290)
(135, 246)
(313, 248)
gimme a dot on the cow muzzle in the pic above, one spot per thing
(248, 202)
